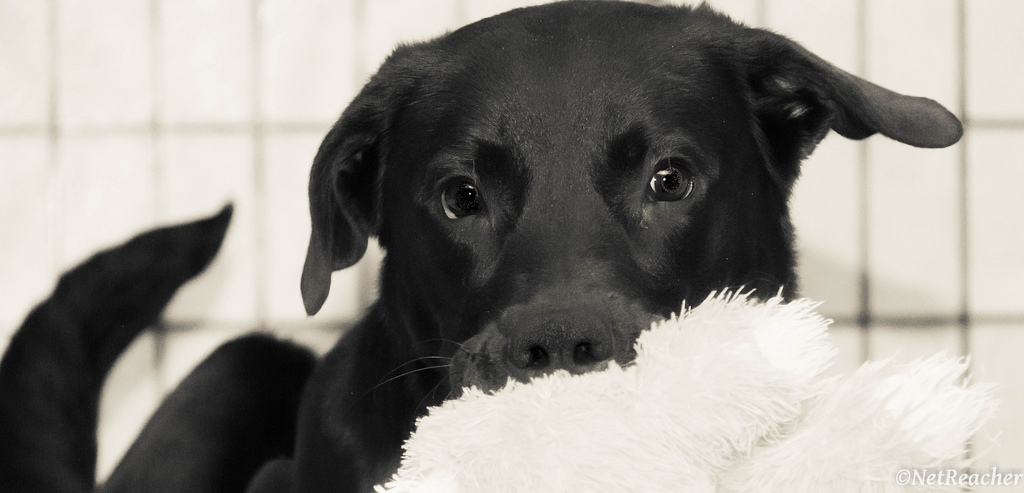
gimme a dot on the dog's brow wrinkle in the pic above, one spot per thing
(629, 148)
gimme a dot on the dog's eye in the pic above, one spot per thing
(460, 199)
(671, 182)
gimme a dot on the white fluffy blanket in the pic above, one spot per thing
(731, 396)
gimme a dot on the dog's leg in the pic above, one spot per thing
(53, 370)
(234, 412)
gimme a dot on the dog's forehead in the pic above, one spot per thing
(575, 56)
(571, 78)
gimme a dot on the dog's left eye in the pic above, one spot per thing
(671, 182)
(460, 199)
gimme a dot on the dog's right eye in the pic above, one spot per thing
(460, 199)
(671, 182)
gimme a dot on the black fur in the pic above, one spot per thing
(560, 117)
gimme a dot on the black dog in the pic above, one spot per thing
(545, 183)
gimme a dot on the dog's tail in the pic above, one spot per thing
(53, 371)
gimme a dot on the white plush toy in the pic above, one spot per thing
(731, 396)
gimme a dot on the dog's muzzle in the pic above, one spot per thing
(549, 334)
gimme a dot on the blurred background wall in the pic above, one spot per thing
(119, 115)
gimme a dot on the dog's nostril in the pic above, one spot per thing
(583, 354)
(538, 357)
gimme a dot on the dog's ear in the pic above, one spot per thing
(797, 97)
(343, 190)
(344, 184)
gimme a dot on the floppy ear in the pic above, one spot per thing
(343, 191)
(797, 97)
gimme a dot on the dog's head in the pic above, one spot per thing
(548, 181)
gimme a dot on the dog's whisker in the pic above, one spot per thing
(405, 374)
(443, 340)
(416, 360)
(431, 393)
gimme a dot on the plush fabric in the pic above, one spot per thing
(734, 395)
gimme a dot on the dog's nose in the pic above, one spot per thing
(576, 345)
